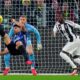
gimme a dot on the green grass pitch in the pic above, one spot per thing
(39, 77)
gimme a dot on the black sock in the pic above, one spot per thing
(23, 51)
(2, 32)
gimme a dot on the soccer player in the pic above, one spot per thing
(16, 44)
(65, 27)
(29, 48)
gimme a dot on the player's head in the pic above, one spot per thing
(22, 19)
(61, 18)
(16, 29)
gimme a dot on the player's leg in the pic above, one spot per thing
(76, 56)
(29, 49)
(20, 47)
(67, 58)
(64, 55)
(7, 63)
(7, 60)
(5, 36)
(77, 59)
(69, 49)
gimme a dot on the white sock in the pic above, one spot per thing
(67, 59)
(77, 60)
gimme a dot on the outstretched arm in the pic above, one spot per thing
(37, 34)
(11, 32)
(75, 25)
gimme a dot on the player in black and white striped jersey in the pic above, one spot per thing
(65, 27)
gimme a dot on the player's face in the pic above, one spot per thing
(22, 20)
(16, 29)
(60, 19)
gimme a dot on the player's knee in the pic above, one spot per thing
(61, 53)
(19, 43)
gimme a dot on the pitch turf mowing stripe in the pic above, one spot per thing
(29, 77)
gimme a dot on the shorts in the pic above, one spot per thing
(12, 49)
(72, 47)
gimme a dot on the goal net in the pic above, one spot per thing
(43, 15)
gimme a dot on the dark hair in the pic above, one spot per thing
(15, 25)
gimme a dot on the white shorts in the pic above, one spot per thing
(72, 48)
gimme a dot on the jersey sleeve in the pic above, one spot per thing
(75, 25)
(55, 27)
(11, 32)
(35, 31)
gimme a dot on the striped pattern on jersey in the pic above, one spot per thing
(67, 30)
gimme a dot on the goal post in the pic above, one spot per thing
(42, 15)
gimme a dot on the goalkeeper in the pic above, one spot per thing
(29, 48)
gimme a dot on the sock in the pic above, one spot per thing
(77, 60)
(23, 51)
(7, 60)
(67, 59)
(2, 32)
(32, 58)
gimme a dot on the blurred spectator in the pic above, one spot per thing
(48, 3)
(50, 13)
(26, 2)
(17, 8)
(28, 11)
(73, 11)
(65, 9)
(40, 13)
(6, 9)
(7, 4)
(54, 4)
(40, 3)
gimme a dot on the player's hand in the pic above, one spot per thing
(39, 46)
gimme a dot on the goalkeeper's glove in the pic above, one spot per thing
(39, 46)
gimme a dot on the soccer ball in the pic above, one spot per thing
(1, 19)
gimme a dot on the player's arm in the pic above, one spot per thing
(37, 34)
(75, 25)
(11, 32)
(55, 29)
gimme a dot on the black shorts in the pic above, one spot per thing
(12, 49)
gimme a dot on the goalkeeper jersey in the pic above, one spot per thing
(29, 28)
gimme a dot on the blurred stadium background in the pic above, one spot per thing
(42, 14)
